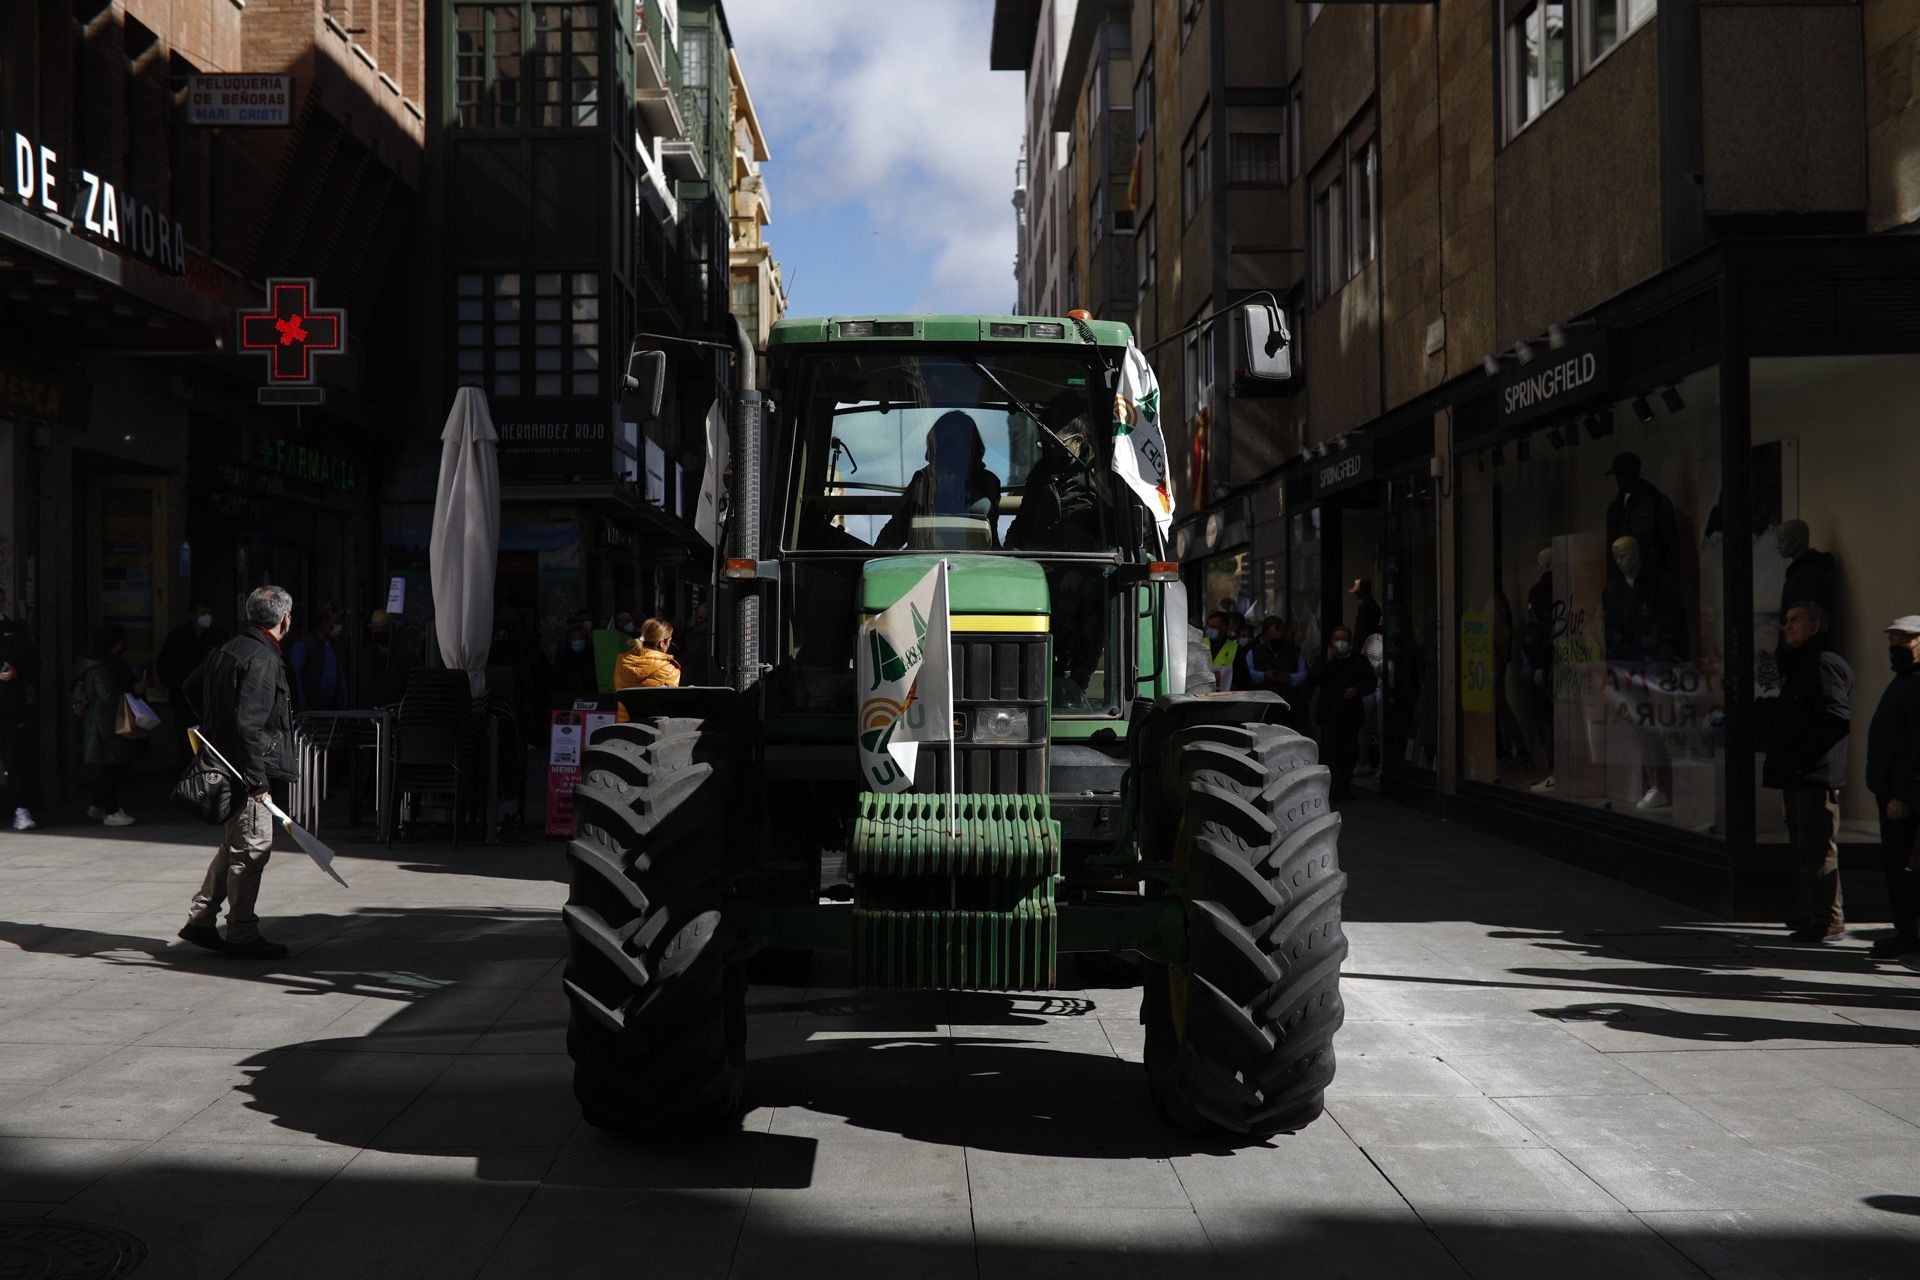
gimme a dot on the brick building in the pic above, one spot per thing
(137, 471)
(1563, 275)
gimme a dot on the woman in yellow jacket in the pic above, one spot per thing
(646, 664)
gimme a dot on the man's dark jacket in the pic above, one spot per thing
(1806, 727)
(245, 708)
(1331, 679)
(1893, 742)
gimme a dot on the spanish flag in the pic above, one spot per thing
(1133, 181)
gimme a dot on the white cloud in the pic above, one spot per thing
(889, 105)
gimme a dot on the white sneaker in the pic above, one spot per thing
(95, 812)
(1654, 799)
(1544, 787)
(118, 818)
(23, 821)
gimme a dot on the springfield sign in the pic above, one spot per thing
(240, 100)
(1564, 378)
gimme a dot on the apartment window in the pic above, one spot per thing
(1143, 99)
(487, 332)
(1144, 248)
(1073, 282)
(1329, 239)
(1540, 58)
(1313, 14)
(693, 57)
(1611, 21)
(565, 55)
(1197, 361)
(1189, 16)
(1097, 214)
(487, 65)
(1294, 115)
(1363, 196)
(1256, 138)
(1194, 174)
(566, 333)
(1096, 94)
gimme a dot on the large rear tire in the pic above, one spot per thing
(657, 1022)
(1240, 1038)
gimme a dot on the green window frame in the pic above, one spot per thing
(487, 65)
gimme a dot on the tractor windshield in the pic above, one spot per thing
(905, 450)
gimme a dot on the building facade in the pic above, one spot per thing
(1557, 275)
(143, 208)
(758, 294)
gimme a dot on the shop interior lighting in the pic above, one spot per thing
(1600, 424)
(1523, 352)
(1642, 410)
(1671, 398)
(1555, 439)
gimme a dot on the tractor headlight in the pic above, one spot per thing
(1000, 724)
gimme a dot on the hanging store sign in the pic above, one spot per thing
(290, 331)
(1552, 385)
(85, 204)
(239, 100)
(554, 444)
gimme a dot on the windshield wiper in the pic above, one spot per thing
(1031, 412)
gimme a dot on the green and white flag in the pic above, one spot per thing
(906, 683)
(1139, 445)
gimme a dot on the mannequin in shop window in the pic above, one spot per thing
(1811, 573)
(1646, 634)
(1643, 513)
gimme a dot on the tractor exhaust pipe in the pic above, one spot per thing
(744, 542)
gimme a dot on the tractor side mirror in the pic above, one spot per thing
(644, 385)
(1269, 350)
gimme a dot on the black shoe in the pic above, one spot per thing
(1818, 937)
(1893, 948)
(203, 935)
(258, 949)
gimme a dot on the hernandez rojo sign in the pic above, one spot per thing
(85, 204)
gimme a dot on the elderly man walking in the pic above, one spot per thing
(245, 708)
(1807, 762)
(1893, 775)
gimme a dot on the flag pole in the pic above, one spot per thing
(953, 736)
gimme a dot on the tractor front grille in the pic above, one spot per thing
(995, 671)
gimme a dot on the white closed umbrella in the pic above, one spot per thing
(466, 537)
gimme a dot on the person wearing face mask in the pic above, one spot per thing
(1341, 681)
(574, 675)
(186, 647)
(384, 664)
(1893, 776)
(1804, 733)
(243, 704)
(318, 666)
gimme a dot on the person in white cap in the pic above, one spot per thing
(1893, 775)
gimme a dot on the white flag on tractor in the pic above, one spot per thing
(1139, 445)
(709, 507)
(906, 683)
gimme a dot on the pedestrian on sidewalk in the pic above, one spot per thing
(646, 664)
(17, 759)
(1893, 775)
(1342, 679)
(319, 667)
(186, 647)
(245, 709)
(1805, 736)
(104, 682)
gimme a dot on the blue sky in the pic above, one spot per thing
(893, 151)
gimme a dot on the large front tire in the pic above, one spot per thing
(656, 1025)
(1240, 1038)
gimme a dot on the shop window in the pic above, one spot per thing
(1303, 578)
(1539, 58)
(1590, 618)
(1410, 679)
(1363, 193)
(1832, 448)
(1256, 145)
(487, 65)
(566, 64)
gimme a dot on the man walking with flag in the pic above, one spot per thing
(245, 708)
(906, 684)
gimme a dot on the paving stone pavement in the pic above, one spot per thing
(1542, 1073)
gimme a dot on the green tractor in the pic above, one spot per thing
(1092, 793)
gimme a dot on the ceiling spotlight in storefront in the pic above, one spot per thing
(1523, 352)
(1499, 456)
(1600, 424)
(1671, 398)
(1642, 410)
(1556, 336)
(1523, 449)
(1558, 441)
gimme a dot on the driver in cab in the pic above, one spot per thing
(953, 493)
